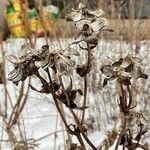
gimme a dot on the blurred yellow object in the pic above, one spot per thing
(39, 25)
(17, 5)
(49, 24)
(33, 24)
(15, 24)
(42, 25)
(52, 24)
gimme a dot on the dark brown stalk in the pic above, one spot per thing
(130, 97)
(85, 84)
(85, 97)
(61, 107)
(16, 105)
(123, 116)
(78, 135)
(62, 85)
(122, 132)
(24, 101)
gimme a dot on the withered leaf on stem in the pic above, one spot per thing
(54, 86)
(105, 81)
(123, 139)
(71, 95)
(142, 131)
(83, 70)
(117, 63)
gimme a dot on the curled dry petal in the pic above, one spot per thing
(107, 70)
(24, 65)
(74, 15)
(81, 6)
(89, 24)
(12, 58)
(95, 26)
(43, 63)
(15, 75)
(97, 13)
(59, 60)
(138, 73)
(71, 51)
(130, 60)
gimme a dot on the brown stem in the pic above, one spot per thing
(122, 132)
(77, 135)
(123, 116)
(85, 83)
(130, 97)
(80, 140)
(14, 112)
(85, 97)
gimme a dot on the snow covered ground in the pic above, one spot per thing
(40, 115)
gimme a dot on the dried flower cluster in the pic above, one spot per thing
(31, 60)
(89, 25)
(124, 70)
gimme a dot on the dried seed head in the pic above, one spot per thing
(124, 70)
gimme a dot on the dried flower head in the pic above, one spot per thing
(89, 24)
(59, 60)
(24, 65)
(82, 12)
(30, 60)
(123, 70)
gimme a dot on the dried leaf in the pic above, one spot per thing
(45, 47)
(105, 81)
(123, 140)
(129, 68)
(117, 63)
(82, 70)
(82, 108)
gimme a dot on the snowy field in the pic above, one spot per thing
(40, 115)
